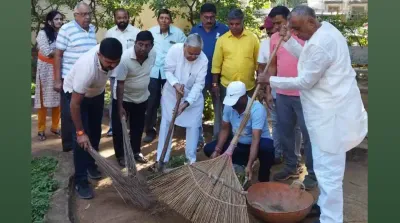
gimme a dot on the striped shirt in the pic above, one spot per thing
(74, 41)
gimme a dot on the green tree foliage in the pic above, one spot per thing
(351, 28)
(190, 10)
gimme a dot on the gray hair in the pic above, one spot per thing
(78, 5)
(236, 14)
(194, 40)
(303, 10)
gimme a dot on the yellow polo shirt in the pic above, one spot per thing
(236, 58)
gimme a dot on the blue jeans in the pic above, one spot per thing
(91, 115)
(217, 116)
(241, 154)
(290, 112)
(275, 133)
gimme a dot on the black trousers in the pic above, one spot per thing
(136, 114)
(67, 126)
(241, 154)
(155, 87)
(91, 116)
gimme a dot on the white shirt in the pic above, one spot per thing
(263, 57)
(135, 75)
(126, 37)
(191, 74)
(162, 43)
(86, 75)
(333, 110)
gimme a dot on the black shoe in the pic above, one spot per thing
(83, 189)
(278, 160)
(140, 158)
(315, 212)
(149, 138)
(66, 150)
(94, 173)
(121, 162)
(310, 182)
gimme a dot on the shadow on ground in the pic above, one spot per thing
(107, 206)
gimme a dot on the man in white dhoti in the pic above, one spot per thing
(185, 64)
(333, 110)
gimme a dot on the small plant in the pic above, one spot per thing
(176, 161)
(33, 88)
(43, 186)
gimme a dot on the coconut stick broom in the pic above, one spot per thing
(208, 191)
(130, 185)
(161, 164)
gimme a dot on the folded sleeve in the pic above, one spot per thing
(293, 47)
(316, 62)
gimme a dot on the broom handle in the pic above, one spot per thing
(171, 127)
(246, 117)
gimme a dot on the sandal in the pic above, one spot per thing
(42, 136)
(56, 132)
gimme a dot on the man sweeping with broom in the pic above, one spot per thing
(255, 141)
(84, 88)
(185, 68)
(333, 110)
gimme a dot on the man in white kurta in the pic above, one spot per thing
(333, 110)
(185, 64)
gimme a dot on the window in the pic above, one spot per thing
(333, 8)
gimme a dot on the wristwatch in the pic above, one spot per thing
(80, 133)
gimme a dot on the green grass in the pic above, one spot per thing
(176, 161)
(43, 186)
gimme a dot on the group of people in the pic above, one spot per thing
(309, 90)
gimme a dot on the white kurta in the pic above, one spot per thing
(333, 110)
(192, 75)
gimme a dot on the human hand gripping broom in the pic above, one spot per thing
(131, 186)
(161, 164)
(207, 191)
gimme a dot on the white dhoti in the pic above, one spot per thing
(329, 169)
(192, 135)
(192, 75)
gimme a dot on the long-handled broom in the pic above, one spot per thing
(130, 185)
(208, 191)
(161, 164)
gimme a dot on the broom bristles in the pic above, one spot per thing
(199, 197)
(132, 188)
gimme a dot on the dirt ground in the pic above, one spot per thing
(107, 206)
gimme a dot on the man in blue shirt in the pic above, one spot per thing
(165, 36)
(209, 30)
(255, 140)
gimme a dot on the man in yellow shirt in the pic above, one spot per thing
(235, 56)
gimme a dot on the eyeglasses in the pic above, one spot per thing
(84, 14)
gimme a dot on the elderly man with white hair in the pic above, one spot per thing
(185, 67)
(333, 110)
(73, 40)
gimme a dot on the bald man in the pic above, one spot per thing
(73, 40)
(333, 110)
